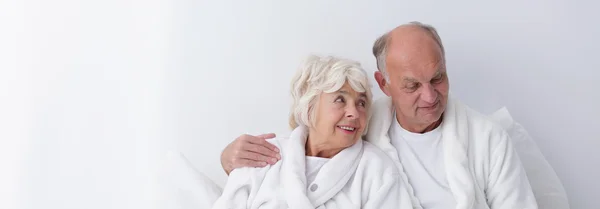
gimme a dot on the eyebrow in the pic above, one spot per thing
(362, 94)
(408, 79)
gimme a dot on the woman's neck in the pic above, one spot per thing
(317, 147)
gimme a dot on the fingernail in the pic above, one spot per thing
(278, 156)
(273, 160)
(263, 163)
(276, 150)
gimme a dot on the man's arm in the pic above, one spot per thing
(508, 186)
(249, 151)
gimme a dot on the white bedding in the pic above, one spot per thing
(181, 186)
(184, 187)
(547, 188)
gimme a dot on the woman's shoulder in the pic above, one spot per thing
(373, 151)
(376, 169)
(375, 159)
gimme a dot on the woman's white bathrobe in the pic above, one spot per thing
(360, 176)
(482, 167)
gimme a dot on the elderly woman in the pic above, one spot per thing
(324, 164)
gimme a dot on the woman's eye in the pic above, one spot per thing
(339, 99)
(362, 104)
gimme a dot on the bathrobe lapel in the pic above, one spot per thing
(332, 177)
(455, 138)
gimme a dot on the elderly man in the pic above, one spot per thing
(452, 156)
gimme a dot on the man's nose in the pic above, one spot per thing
(429, 94)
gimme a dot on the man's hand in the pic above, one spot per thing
(249, 151)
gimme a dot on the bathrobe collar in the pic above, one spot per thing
(332, 177)
(454, 136)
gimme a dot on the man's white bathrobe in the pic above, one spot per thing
(360, 176)
(482, 167)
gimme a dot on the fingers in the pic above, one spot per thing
(253, 156)
(266, 136)
(271, 150)
(255, 152)
(240, 163)
(250, 151)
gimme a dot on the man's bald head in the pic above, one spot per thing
(406, 36)
(412, 71)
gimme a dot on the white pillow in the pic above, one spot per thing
(181, 186)
(547, 188)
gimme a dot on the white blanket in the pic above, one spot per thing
(181, 186)
(360, 176)
(483, 169)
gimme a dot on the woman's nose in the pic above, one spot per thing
(351, 111)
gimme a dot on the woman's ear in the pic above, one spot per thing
(313, 111)
(382, 83)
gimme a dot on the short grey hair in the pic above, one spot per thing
(324, 75)
(381, 44)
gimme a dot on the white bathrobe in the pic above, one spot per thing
(482, 167)
(360, 176)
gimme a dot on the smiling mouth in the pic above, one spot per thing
(347, 128)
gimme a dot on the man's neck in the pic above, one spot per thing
(419, 128)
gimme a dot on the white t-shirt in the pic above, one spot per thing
(422, 157)
(313, 165)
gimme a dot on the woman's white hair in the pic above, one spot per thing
(324, 75)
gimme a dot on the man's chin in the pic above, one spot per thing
(433, 118)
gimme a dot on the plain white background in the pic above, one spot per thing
(92, 93)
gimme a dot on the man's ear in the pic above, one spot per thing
(383, 84)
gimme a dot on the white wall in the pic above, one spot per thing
(535, 57)
(83, 88)
(92, 91)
